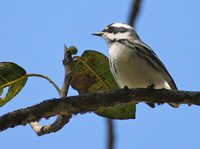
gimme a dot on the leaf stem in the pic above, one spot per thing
(47, 78)
(33, 75)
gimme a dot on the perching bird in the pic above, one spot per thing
(132, 62)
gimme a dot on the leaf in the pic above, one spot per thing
(12, 76)
(91, 73)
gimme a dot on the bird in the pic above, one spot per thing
(132, 62)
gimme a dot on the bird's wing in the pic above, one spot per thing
(156, 62)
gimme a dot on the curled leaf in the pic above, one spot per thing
(91, 73)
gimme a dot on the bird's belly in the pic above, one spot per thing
(135, 72)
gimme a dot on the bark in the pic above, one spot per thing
(91, 102)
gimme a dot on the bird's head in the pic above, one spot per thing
(117, 31)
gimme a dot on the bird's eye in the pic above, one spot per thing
(109, 29)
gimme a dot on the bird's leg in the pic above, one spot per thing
(152, 105)
(151, 86)
(126, 88)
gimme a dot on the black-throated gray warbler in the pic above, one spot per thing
(132, 62)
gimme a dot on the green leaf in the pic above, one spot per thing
(91, 73)
(12, 76)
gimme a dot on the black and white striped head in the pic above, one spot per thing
(118, 31)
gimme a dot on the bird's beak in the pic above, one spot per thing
(98, 34)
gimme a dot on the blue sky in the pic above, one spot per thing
(33, 34)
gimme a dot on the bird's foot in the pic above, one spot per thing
(126, 88)
(152, 105)
(160, 103)
(152, 86)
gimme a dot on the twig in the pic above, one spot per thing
(91, 102)
(67, 66)
(61, 120)
(135, 9)
(45, 77)
(111, 134)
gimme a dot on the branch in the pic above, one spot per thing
(91, 102)
(135, 9)
(61, 120)
(111, 134)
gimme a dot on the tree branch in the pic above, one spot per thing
(61, 120)
(111, 134)
(135, 9)
(91, 102)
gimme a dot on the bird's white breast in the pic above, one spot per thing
(130, 70)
